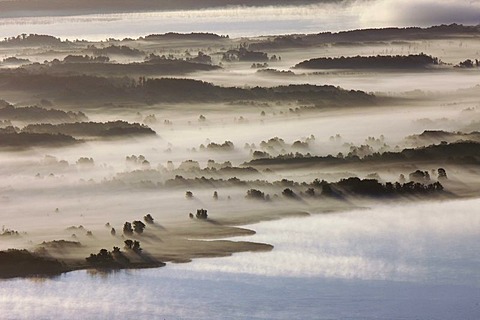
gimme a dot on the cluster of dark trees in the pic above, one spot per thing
(38, 114)
(417, 61)
(255, 194)
(428, 137)
(353, 186)
(153, 66)
(116, 50)
(275, 72)
(68, 87)
(201, 58)
(31, 40)
(201, 214)
(373, 188)
(85, 59)
(212, 146)
(9, 233)
(133, 245)
(10, 139)
(243, 54)
(194, 36)
(136, 226)
(22, 263)
(469, 64)
(93, 129)
(366, 36)
(114, 259)
(104, 259)
(463, 152)
(60, 245)
(15, 61)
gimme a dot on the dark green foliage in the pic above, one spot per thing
(99, 129)
(85, 59)
(226, 146)
(288, 193)
(9, 233)
(468, 64)
(148, 218)
(128, 244)
(127, 229)
(109, 259)
(417, 61)
(116, 50)
(138, 226)
(37, 114)
(151, 67)
(243, 54)
(35, 40)
(27, 140)
(310, 192)
(17, 263)
(168, 90)
(197, 36)
(459, 153)
(202, 214)
(419, 176)
(373, 188)
(255, 194)
(15, 60)
(442, 174)
(103, 259)
(136, 246)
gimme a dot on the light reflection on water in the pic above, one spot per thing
(434, 242)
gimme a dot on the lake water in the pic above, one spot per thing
(411, 261)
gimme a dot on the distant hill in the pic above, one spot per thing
(194, 36)
(21, 140)
(91, 129)
(160, 66)
(38, 114)
(171, 90)
(31, 40)
(418, 61)
(367, 35)
(458, 153)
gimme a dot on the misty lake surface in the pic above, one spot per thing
(397, 261)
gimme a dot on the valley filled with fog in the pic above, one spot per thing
(332, 172)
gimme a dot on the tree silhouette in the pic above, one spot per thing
(138, 226)
(442, 174)
(148, 218)
(128, 244)
(127, 229)
(136, 246)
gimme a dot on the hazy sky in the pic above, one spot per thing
(369, 12)
(98, 20)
